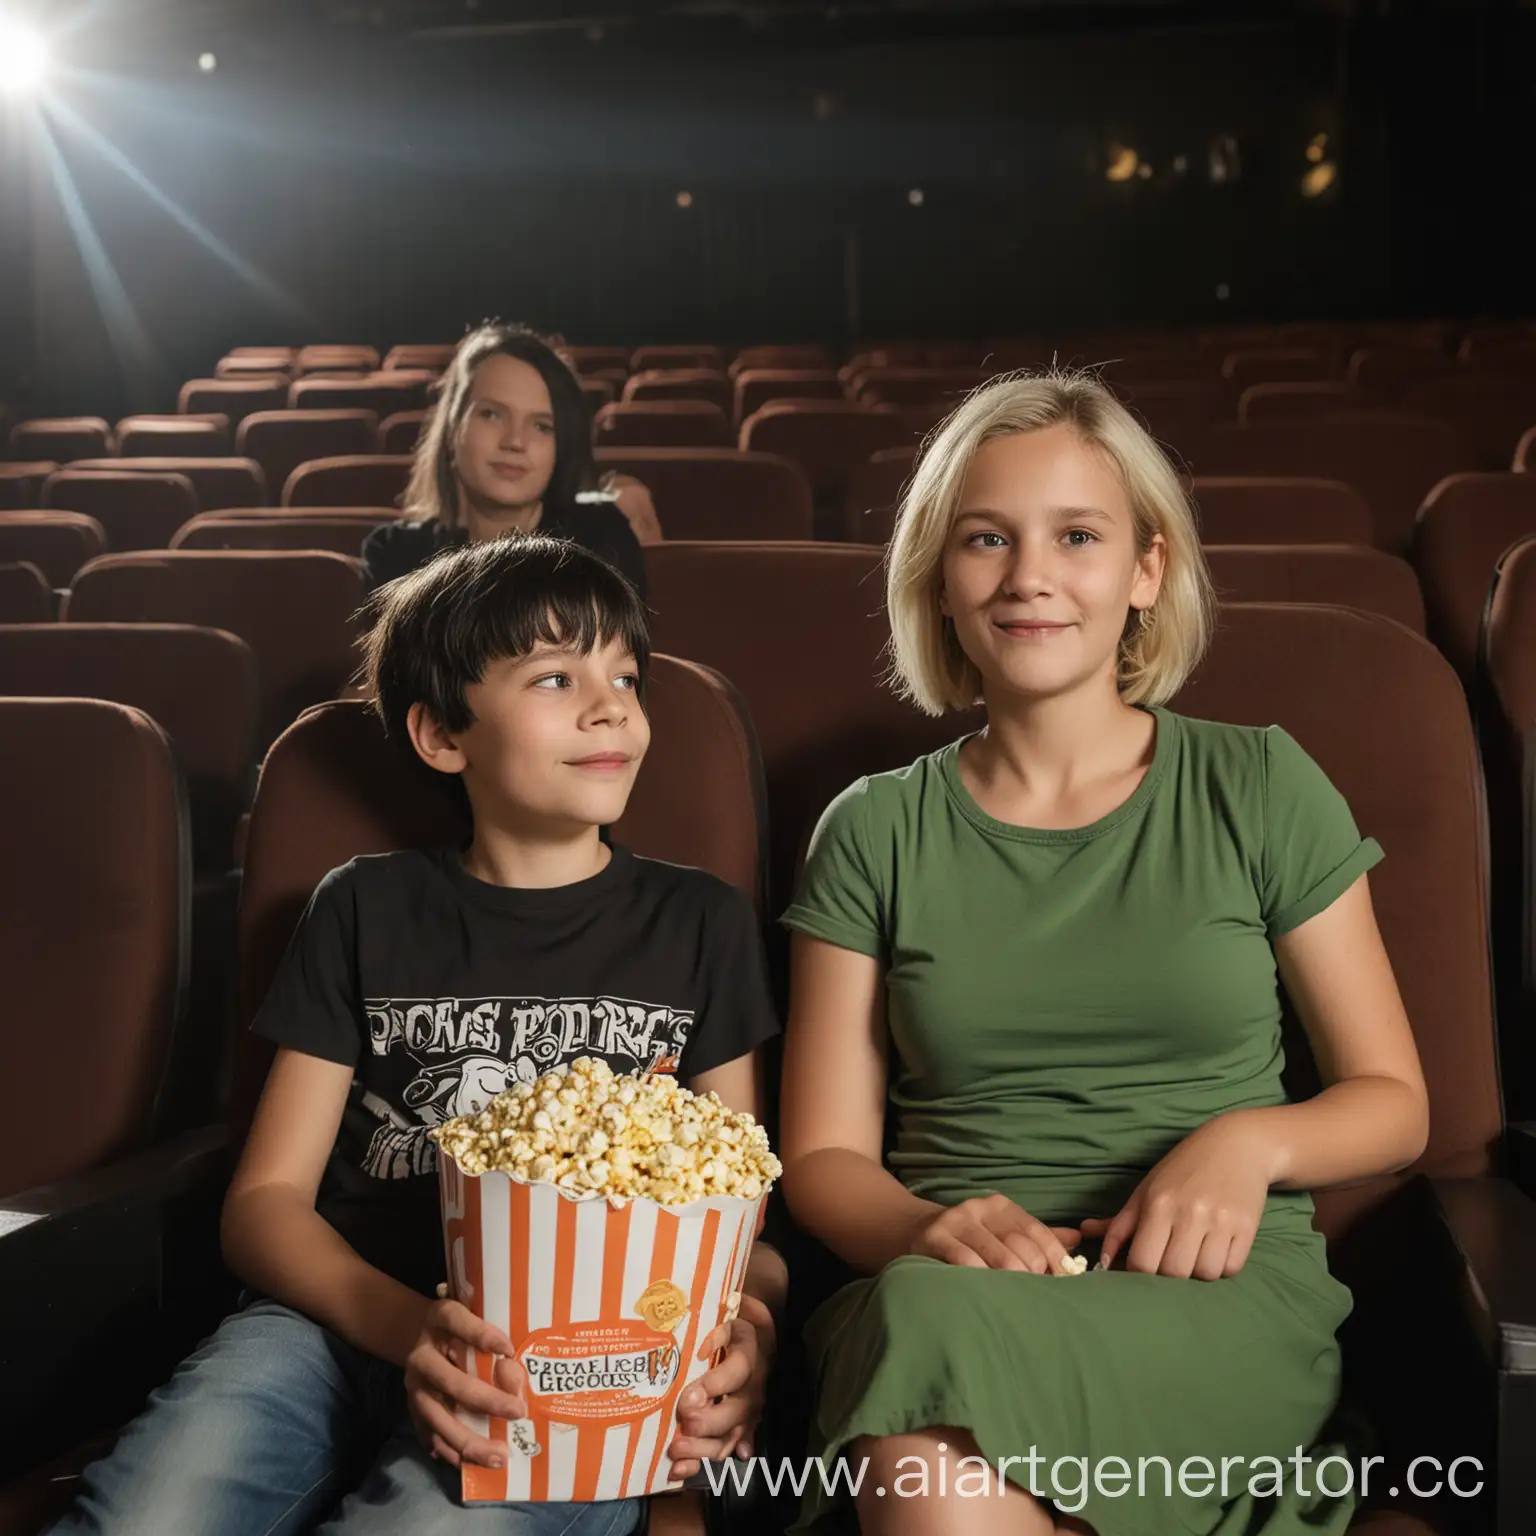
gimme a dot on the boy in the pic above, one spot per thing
(418, 985)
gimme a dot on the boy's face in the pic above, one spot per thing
(557, 739)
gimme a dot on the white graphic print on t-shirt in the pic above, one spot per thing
(467, 1050)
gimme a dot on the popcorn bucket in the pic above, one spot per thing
(606, 1309)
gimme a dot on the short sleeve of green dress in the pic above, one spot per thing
(1065, 1006)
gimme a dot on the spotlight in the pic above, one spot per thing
(915, 197)
(207, 62)
(23, 58)
(685, 199)
(1319, 179)
(1122, 163)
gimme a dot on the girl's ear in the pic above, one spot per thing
(433, 742)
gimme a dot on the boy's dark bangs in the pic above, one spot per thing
(575, 607)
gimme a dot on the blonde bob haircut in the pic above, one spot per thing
(1160, 646)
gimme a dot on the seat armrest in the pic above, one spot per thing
(103, 1276)
(1491, 1229)
(1520, 1150)
(1492, 1226)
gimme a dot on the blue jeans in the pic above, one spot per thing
(277, 1427)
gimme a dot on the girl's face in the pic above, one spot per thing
(505, 453)
(1040, 568)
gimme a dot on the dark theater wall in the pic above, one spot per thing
(354, 188)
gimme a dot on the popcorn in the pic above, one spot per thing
(1075, 1264)
(589, 1131)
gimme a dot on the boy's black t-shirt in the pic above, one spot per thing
(440, 990)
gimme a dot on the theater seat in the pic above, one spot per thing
(707, 384)
(229, 482)
(830, 440)
(1347, 576)
(344, 535)
(402, 431)
(431, 357)
(1393, 461)
(1389, 372)
(1270, 509)
(134, 510)
(1274, 365)
(333, 787)
(199, 685)
(25, 596)
(1506, 700)
(661, 424)
(718, 493)
(1493, 409)
(294, 609)
(22, 484)
(1465, 524)
(1175, 410)
(63, 439)
(182, 436)
(321, 359)
(756, 387)
(92, 948)
(57, 543)
(234, 398)
(813, 685)
(353, 480)
(588, 360)
(645, 358)
(874, 495)
(382, 393)
(1299, 402)
(282, 440)
(795, 355)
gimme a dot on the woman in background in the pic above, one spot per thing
(509, 449)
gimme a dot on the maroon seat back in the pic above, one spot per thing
(199, 685)
(282, 440)
(1276, 509)
(1349, 576)
(1464, 526)
(135, 510)
(333, 788)
(352, 480)
(294, 609)
(719, 493)
(182, 437)
(661, 424)
(93, 946)
(57, 543)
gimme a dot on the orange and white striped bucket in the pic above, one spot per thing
(606, 1310)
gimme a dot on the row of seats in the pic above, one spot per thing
(1459, 529)
(1377, 707)
(845, 451)
(293, 612)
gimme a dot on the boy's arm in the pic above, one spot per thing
(274, 1238)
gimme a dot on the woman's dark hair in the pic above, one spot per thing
(434, 488)
(432, 633)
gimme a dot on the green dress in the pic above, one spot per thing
(1064, 1007)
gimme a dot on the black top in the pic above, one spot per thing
(440, 990)
(398, 548)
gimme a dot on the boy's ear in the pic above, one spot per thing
(434, 744)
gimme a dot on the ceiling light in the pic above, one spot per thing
(23, 58)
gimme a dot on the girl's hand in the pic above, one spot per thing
(1195, 1214)
(991, 1232)
(634, 501)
